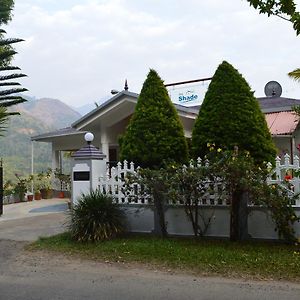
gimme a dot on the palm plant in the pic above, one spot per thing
(295, 74)
(95, 218)
(9, 94)
(9, 90)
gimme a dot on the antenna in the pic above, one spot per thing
(273, 89)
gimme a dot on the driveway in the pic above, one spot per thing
(28, 221)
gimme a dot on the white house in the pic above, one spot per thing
(108, 121)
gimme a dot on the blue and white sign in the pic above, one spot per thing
(188, 95)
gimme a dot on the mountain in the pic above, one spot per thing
(37, 116)
(51, 112)
(84, 109)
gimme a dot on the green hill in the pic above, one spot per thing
(37, 117)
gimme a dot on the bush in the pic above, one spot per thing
(155, 133)
(230, 116)
(96, 218)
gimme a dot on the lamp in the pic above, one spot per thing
(89, 137)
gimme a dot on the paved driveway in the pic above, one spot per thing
(29, 220)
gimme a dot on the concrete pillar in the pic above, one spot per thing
(55, 159)
(105, 149)
(105, 142)
(89, 163)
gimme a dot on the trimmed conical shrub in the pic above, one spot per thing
(154, 134)
(230, 116)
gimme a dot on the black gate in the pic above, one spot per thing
(1, 187)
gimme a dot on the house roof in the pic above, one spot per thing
(57, 133)
(268, 105)
(110, 101)
(276, 104)
(282, 123)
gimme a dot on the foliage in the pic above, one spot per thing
(243, 176)
(8, 96)
(284, 9)
(21, 186)
(6, 7)
(190, 185)
(155, 133)
(8, 188)
(44, 179)
(230, 116)
(154, 184)
(252, 260)
(279, 202)
(95, 218)
(295, 74)
(64, 179)
(231, 175)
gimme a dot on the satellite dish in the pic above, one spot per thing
(273, 89)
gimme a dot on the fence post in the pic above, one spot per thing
(1, 188)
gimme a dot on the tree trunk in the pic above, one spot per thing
(234, 216)
(160, 227)
(239, 216)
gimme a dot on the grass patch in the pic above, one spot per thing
(255, 260)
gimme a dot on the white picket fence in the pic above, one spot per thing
(113, 183)
(284, 175)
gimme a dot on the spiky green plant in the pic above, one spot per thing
(96, 218)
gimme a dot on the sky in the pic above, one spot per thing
(79, 50)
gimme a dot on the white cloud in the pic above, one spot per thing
(79, 50)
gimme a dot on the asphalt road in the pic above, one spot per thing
(41, 275)
(38, 275)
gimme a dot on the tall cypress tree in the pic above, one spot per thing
(154, 134)
(230, 116)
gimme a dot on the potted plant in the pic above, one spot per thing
(45, 184)
(36, 187)
(29, 195)
(8, 191)
(64, 181)
(20, 188)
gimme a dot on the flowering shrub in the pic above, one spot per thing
(242, 183)
(190, 185)
(243, 175)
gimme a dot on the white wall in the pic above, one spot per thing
(140, 218)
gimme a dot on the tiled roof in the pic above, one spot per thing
(280, 123)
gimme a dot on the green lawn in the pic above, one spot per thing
(250, 260)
